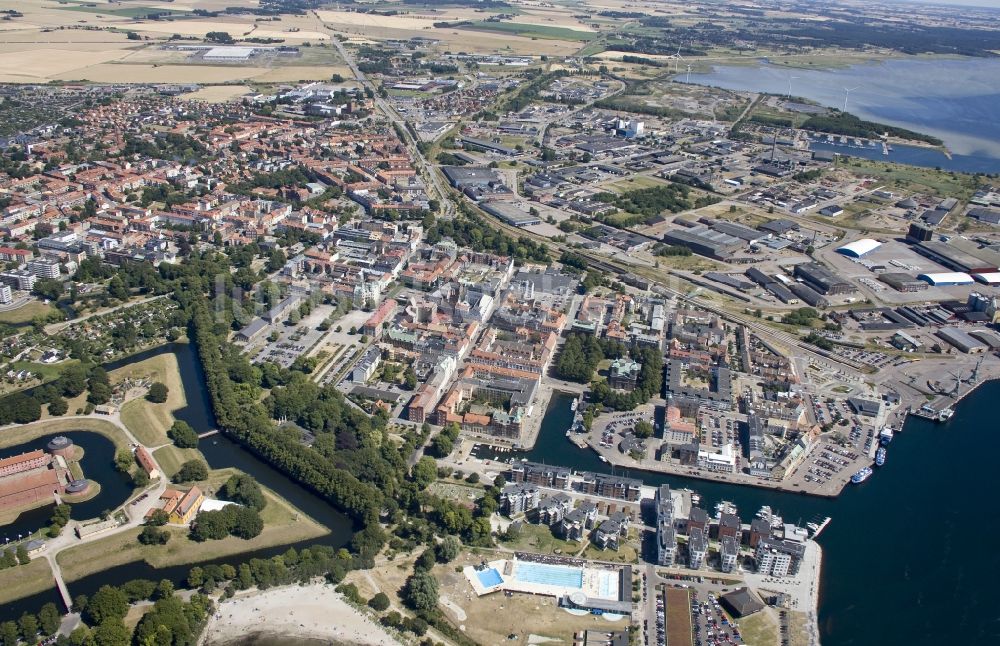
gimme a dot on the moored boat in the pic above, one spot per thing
(880, 456)
(861, 475)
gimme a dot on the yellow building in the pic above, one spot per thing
(180, 506)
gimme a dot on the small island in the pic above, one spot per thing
(41, 477)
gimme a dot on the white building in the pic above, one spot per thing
(365, 368)
(44, 268)
(778, 558)
(697, 548)
(6, 295)
(728, 553)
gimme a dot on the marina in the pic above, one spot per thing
(849, 614)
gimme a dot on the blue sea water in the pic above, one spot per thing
(957, 100)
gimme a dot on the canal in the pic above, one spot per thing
(901, 564)
(219, 453)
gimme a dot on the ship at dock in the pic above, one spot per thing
(880, 456)
(861, 475)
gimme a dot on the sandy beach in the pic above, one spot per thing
(312, 612)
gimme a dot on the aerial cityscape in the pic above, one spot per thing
(441, 323)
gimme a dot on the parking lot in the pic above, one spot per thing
(711, 624)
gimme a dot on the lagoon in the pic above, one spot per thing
(957, 100)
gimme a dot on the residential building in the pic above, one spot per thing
(728, 553)
(519, 498)
(697, 548)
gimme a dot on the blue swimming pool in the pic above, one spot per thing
(489, 577)
(563, 576)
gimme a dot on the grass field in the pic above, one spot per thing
(20, 434)
(26, 313)
(625, 554)
(528, 30)
(170, 458)
(148, 421)
(634, 183)
(924, 180)
(759, 629)
(539, 539)
(25, 580)
(678, 617)
(283, 524)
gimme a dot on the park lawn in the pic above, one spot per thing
(626, 554)
(26, 313)
(25, 580)
(148, 421)
(283, 525)
(539, 539)
(170, 458)
(759, 629)
(27, 432)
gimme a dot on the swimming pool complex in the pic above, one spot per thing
(489, 577)
(562, 576)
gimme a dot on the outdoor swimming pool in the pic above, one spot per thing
(556, 575)
(489, 577)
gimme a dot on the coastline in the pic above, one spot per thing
(313, 611)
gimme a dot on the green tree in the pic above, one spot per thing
(22, 555)
(448, 549)
(48, 288)
(49, 619)
(421, 592)
(191, 471)
(58, 406)
(73, 380)
(424, 472)
(28, 624)
(117, 288)
(380, 602)
(183, 436)
(157, 393)
(151, 535)
(9, 634)
(124, 460)
(108, 603)
(112, 632)
(243, 489)
(643, 429)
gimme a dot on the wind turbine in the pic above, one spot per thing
(675, 57)
(689, 74)
(847, 94)
(790, 77)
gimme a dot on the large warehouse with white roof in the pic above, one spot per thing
(859, 248)
(947, 278)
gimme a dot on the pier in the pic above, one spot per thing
(202, 436)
